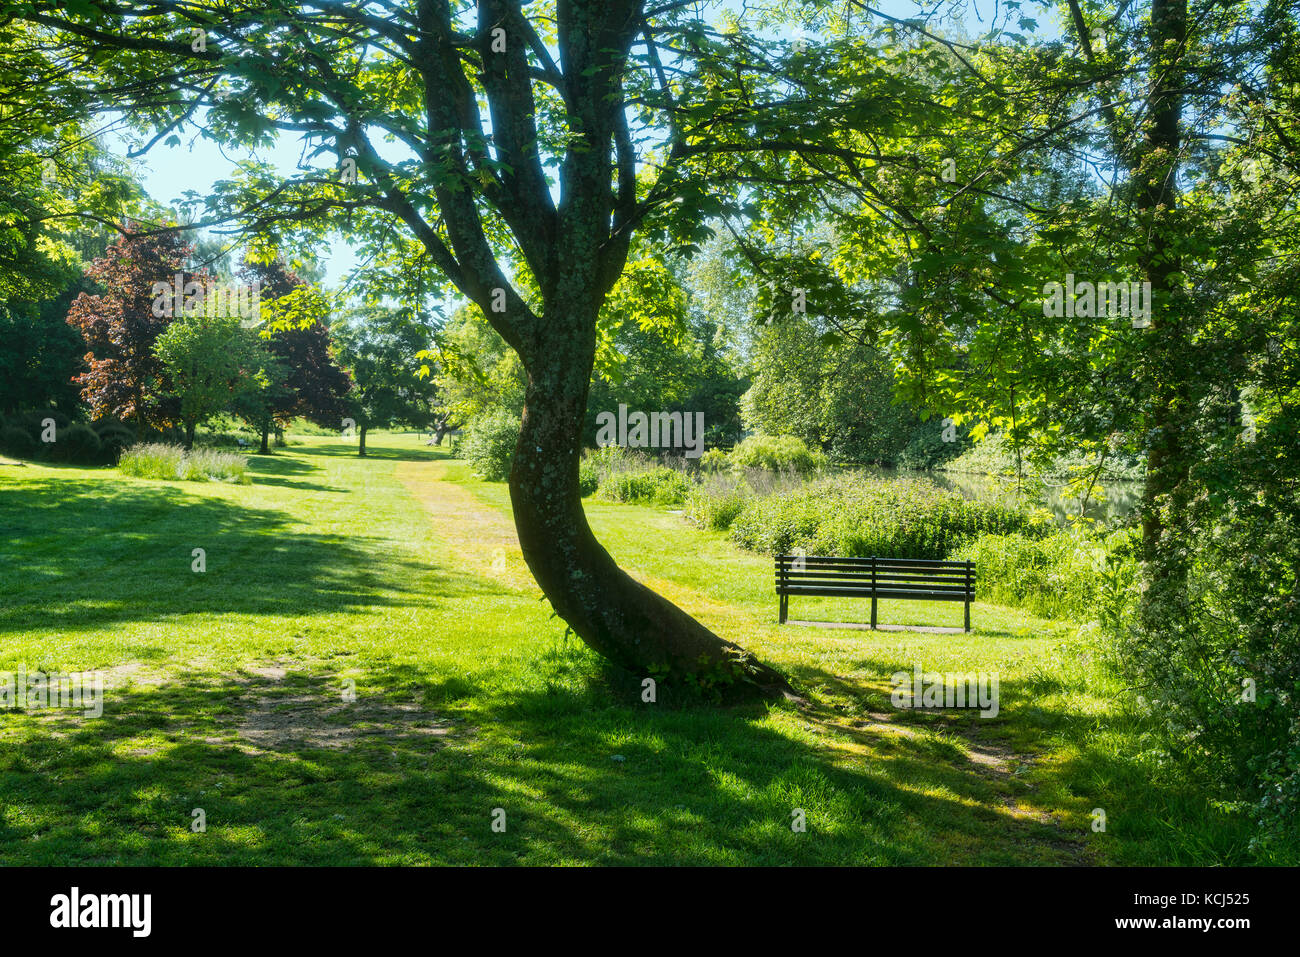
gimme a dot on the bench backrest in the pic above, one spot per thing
(932, 579)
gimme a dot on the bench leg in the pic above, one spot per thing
(873, 612)
(785, 607)
(968, 616)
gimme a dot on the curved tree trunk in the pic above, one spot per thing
(614, 614)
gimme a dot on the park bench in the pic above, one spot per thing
(918, 579)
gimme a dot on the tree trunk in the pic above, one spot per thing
(266, 433)
(441, 431)
(189, 434)
(614, 614)
(361, 445)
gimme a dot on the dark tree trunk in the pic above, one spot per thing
(189, 434)
(361, 445)
(613, 613)
(266, 434)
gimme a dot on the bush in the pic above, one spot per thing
(114, 438)
(777, 453)
(862, 515)
(1068, 574)
(716, 503)
(489, 445)
(77, 443)
(659, 485)
(1218, 661)
(714, 460)
(17, 442)
(588, 477)
(171, 462)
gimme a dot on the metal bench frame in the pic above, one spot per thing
(918, 579)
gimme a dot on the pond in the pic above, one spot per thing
(1110, 502)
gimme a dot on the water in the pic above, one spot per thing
(1110, 502)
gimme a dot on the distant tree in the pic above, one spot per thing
(475, 371)
(379, 346)
(212, 361)
(836, 394)
(312, 385)
(125, 378)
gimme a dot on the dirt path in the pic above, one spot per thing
(483, 538)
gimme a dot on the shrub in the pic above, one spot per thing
(777, 453)
(489, 445)
(32, 422)
(113, 440)
(1068, 574)
(17, 442)
(659, 485)
(588, 477)
(716, 503)
(77, 443)
(714, 460)
(1217, 657)
(171, 462)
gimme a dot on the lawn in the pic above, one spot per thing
(365, 672)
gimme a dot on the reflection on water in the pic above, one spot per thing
(1109, 502)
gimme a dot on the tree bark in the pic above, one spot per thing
(445, 426)
(266, 432)
(361, 445)
(614, 614)
(189, 434)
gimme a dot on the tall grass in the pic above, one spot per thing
(858, 515)
(158, 461)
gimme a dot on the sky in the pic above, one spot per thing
(168, 172)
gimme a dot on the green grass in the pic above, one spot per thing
(399, 574)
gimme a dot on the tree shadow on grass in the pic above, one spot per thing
(80, 555)
(287, 772)
(381, 452)
(268, 470)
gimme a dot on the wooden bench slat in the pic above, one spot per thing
(815, 560)
(879, 577)
(867, 587)
(859, 593)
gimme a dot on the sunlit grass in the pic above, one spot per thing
(397, 577)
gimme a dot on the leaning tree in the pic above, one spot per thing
(513, 151)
